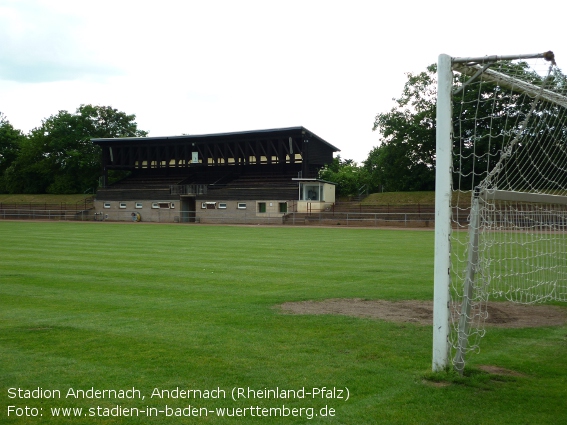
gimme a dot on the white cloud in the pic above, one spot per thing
(38, 44)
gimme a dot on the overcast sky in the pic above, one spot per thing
(208, 66)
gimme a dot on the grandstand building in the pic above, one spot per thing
(241, 177)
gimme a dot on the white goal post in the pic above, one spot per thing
(500, 193)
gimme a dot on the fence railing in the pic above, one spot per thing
(188, 189)
(186, 216)
(397, 219)
(410, 220)
(273, 218)
(48, 214)
(83, 204)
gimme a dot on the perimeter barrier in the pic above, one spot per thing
(40, 214)
(351, 219)
(406, 219)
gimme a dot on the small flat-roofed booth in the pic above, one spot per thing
(248, 176)
(315, 195)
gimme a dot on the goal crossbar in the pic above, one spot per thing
(507, 195)
(495, 58)
(511, 83)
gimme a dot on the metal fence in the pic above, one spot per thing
(40, 214)
(188, 189)
(363, 219)
(410, 220)
(187, 217)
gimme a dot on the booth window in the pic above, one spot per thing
(312, 192)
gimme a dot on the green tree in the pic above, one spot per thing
(10, 143)
(59, 157)
(348, 176)
(404, 161)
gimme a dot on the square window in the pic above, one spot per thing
(242, 205)
(139, 205)
(122, 204)
(107, 205)
(222, 205)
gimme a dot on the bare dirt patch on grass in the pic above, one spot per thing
(500, 314)
(495, 370)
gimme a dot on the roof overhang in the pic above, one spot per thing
(307, 180)
(216, 137)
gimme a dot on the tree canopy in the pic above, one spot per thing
(348, 176)
(10, 141)
(58, 156)
(405, 159)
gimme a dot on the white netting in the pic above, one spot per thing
(509, 205)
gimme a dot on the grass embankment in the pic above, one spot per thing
(413, 198)
(117, 306)
(400, 198)
(43, 199)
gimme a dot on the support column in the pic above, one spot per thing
(442, 265)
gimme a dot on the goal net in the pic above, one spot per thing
(502, 159)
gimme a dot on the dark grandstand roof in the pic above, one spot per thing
(289, 150)
(214, 137)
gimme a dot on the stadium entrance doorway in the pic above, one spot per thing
(188, 209)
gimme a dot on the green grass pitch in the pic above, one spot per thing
(117, 307)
